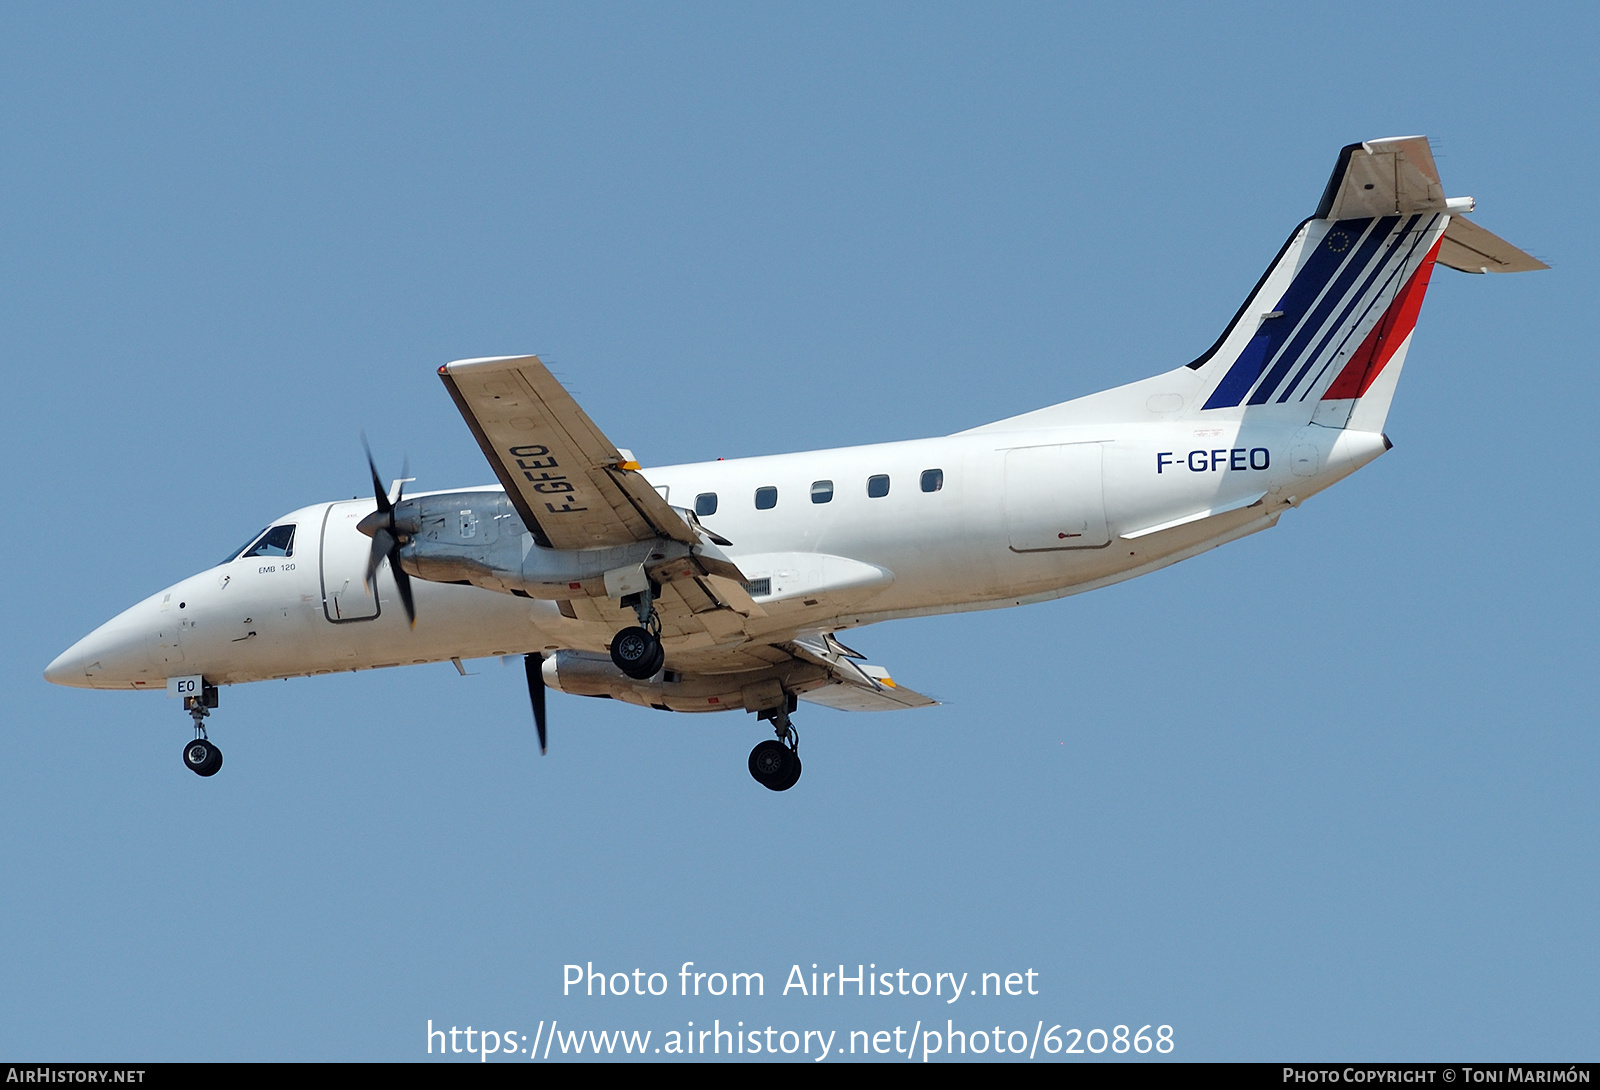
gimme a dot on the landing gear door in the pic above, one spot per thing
(344, 565)
(1054, 498)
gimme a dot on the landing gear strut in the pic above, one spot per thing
(637, 650)
(775, 763)
(201, 756)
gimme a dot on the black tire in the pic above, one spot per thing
(202, 757)
(792, 773)
(659, 661)
(774, 765)
(637, 653)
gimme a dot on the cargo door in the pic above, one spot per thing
(1054, 498)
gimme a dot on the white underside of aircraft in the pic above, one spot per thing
(721, 585)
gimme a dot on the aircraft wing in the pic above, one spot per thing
(571, 485)
(883, 695)
(816, 668)
(575, 490)
(852, 686)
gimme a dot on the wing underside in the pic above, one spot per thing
(573, 488)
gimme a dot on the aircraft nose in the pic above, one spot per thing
(65, 666)
(77, 665)
(115, 655)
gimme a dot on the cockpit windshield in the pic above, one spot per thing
(273, 541)
(231, 557)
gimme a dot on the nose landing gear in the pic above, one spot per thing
(775, 763)
(201, 756)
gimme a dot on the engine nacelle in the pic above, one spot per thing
(584, 673)
(478, 538)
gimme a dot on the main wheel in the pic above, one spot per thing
(637, 653)
(658, 662)
(791, 775)
(202, 757)
(774, 765)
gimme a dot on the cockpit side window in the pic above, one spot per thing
(277, 541)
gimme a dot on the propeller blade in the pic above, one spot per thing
(403, 582)
(377, 484)
(382, 545)
(380, 527)
(534, 664)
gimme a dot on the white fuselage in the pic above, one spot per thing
(1017, 516)
(1291, 397)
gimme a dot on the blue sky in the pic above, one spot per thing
(1353, 819)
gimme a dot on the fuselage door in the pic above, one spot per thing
(1054, 498)
(344, 565)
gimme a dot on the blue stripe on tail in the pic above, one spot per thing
(1352, 271)
(1307, 285)
(1384, 267)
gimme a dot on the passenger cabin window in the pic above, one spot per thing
(878, 486)
(766, 498)
(932, 480)
(705, 504)
(278, 541)
(821, 491)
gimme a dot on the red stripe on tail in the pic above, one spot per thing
(1387, 336)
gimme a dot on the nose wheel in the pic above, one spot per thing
(201, 756)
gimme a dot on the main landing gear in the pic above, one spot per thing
(775, 763)
(201, 756)
(637, 650)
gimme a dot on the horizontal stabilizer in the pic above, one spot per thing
(1471, 249)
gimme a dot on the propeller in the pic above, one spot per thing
(379, 526)
(534, 664)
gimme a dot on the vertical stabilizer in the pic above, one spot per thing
(1322, 336)
(1345, 289)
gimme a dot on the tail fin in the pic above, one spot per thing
(1322, 338)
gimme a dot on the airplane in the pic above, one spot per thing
(723, 586)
